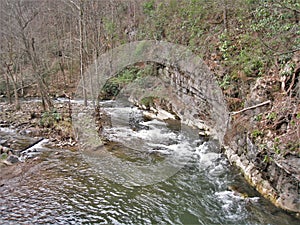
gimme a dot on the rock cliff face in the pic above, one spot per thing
(183, 96)
(277, 182)
(264, 144)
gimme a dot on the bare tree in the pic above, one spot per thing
(22, 15)
(78, 7)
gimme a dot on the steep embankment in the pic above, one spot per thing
(264, 141)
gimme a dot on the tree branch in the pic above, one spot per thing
(283, 53)
(251, 107)
(74, 4)
(287, 7)
(29, 20)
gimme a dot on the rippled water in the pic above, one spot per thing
(66, 187)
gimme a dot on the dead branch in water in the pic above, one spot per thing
(33, 144)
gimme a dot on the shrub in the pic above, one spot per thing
(50, 118)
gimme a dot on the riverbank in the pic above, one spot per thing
(61, 186)
(32, 121)
(35, 126)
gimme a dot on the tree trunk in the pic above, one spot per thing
(62, 69)
(17, 102)
(81, 48)
(42, 87)
(7, 88)
(11, 76)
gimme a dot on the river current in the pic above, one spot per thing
(67, 187)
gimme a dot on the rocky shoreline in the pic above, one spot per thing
(275, 175)
(38, 128)
(32, 121)
(276, 183)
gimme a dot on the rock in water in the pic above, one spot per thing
(13, 159)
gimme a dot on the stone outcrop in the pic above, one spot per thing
(264, 143)
(275, 183)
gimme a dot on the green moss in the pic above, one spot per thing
(225, 83)
(109, 90)
(149, 7)
(3, 156)
(258, 117)
(267, 159)
(114, 85)
(125, 77)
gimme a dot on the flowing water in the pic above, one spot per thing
(65, 187)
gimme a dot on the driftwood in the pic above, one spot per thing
(251, 107)
(31, 145)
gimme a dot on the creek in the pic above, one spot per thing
(84, 187)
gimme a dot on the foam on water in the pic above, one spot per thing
(7, 130)
(206, 158)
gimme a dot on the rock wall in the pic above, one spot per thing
(277, 179)
(264, 144)
(278, 184)
(182, 95)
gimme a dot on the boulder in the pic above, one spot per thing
(13, 159)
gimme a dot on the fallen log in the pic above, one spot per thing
(32, 145)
